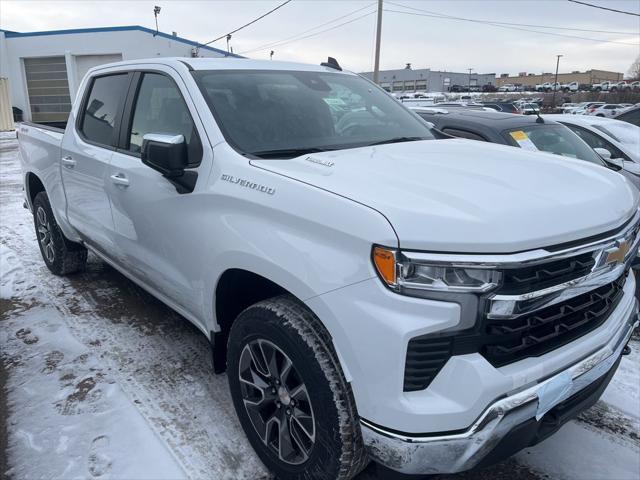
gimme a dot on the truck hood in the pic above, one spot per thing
(465, 196)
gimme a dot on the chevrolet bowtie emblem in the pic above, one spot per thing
(619, 253)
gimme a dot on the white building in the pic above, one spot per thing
(44, 69)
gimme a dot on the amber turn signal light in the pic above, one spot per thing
(385, 262)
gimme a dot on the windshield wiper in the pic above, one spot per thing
(287, 152)
(396, 140)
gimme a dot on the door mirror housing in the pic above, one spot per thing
(616, 162)
(168, 154)
(631, 167)
(165, 153)
(604, 153)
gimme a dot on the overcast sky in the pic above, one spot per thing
(424, 41)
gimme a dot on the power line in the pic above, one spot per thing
(493, 22)
(605, 8)
(487, 22)
(513, 24)
(302, 36)
(247, 24)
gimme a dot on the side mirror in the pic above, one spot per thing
(604, 153)
(616, 162)
(165, 153)
(168, 155)
(631, 167)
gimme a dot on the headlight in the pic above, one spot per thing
(400, 272)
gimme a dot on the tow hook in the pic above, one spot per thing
(626, 350)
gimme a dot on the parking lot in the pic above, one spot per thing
(96, 368)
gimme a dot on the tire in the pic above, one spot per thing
(61, 255)
(599, 115)
(284, 329)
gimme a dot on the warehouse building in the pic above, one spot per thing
(44, 69)
(427, 80)
(587, 78)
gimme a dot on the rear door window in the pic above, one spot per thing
(102, 107)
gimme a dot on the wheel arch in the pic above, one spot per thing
(33, 185)
(236, 290)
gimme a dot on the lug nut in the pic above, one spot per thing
(273, 390)
(278, 404)
(288, 411)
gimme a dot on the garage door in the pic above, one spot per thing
(48, 89)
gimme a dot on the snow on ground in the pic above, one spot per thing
(106, 382)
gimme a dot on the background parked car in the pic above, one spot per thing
(509, 87)
(620, 139)
(571, 87)
(631, 115)
(619, 86)
(568, 107)
(525, 132)
(584, 106)
(600, 87)
(505, 107)
(529, 108)
(606, 110)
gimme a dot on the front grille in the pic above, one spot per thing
(510, 340)
(537, 277)
(504, 341)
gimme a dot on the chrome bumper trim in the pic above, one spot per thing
(433, 453)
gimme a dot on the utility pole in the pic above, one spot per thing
(376, 66)
(469, 86)
(555, 83)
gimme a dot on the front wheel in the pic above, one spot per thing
(61, 255)
(290, 394)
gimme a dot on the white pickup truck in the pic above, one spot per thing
(548, 87)
(372, 291)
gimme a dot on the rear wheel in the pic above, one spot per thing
(61, 255)
(290, 394)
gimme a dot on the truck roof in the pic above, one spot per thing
(224, 63)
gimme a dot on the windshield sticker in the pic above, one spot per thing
(523, 140)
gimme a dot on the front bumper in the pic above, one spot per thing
(513, 422)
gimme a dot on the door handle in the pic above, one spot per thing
(120, 179)
(68, 162)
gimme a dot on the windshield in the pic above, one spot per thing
(556, 139)
(284, 114)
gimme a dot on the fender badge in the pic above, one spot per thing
(248, 184)
(319, 161)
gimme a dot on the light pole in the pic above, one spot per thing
(469, 86)
(156, 12)
(228, 39)
(376, 66)
(555, 83)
